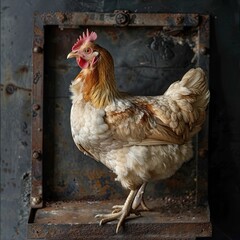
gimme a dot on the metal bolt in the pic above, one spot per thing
(36, 200)
(122, 19)
(179, 19)
(36, 107)
(36, 155)
(61, 17)
(37, 49)
(10, 89)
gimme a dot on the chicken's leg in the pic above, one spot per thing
(139, 198)
(122, 214)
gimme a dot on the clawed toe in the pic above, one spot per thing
(121, 212)
(121, 215)
(117, 208)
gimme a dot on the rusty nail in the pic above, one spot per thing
(10, 89)
(37, 49)
(36, 107)
(36, 200)
(36, 155)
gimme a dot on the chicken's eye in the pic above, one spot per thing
(88, 50)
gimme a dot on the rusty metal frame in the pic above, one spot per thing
(37, 116)
(119, 19)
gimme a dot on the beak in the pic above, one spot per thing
(72, 54)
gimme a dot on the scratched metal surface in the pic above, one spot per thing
(16, 82)
(170, 220)
(145, 65)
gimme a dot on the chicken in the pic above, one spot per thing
(140, 138)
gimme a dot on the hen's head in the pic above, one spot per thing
(84, 50)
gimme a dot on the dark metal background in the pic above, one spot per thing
(16, 82)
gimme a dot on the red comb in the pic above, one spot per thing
(85, 38)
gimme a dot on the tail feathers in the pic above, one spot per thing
(191, 94)
(192, 89)
(195, 80)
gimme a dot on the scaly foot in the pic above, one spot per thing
(120, 212)
(118, 208)
(138, 200)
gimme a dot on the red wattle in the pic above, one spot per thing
(82, 63)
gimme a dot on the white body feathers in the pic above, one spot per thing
(141, 138)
